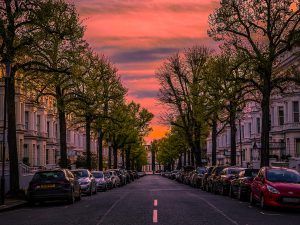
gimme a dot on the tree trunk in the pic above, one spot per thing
(109, 157)
(100, 149)
(265, 105)
(153, 160)
(179, 165)
(115, 152)
(232, 116)
(184, 157)
(214, 136)
(197, 146)
(189, 157)
(123, 158)
(88, 143)
(12, 136)
(128, 149)
(62, 128)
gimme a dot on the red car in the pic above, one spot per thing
(276, 187)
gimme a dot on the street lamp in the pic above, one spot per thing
(5, 76)
(241, 147)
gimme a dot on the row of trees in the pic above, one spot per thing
(204, 89)
(41, 43)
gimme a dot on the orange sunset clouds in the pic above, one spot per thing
(138, 34)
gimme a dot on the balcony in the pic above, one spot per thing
(286, 126)
(31, 133)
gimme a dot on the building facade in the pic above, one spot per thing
(284, 133)
(38, 131)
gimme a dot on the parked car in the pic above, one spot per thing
(222, 181)
(86, 180)
(183, 173)
(59, 184)
(100, 180)
(204, 184)
(240, 187)
(173, 174)
(114, 178)
(196, 179)
(141, 174)
(276, 187)
(131, 175)
(121, 175)
(108, 180)
(212, 179)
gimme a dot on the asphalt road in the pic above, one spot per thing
(150, 200)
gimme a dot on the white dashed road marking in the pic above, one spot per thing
(154, 216)
(155, 202)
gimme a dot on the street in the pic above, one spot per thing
(151, 199)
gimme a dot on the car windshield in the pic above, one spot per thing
(284, 176)
(218, 170)
(97, 174)
(201, 170)
(51, 175)
(251, 173)
(234, 171)
(81, 173)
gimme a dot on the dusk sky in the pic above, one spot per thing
(138, 34)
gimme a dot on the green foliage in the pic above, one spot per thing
(81, 161)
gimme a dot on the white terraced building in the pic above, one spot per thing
(284, 133)
(38, 132)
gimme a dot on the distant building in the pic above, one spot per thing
(148, 167)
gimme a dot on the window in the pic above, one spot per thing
(26, 120)
(258, 125)
(68, 135)
(25, 149)
(243, 135)
(297, 147)
(280, 115)
(296, 112)
(48, 129)
(38, 123)
(47, 156)
(250, 129)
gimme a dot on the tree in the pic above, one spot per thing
(16, 20)
(263, 32)
(53, 57)
(182, 91)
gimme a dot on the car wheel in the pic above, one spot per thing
(240, 194)
(231, 192)
(71, 199)
(31, 202)
(90, 192)
(78, 198)
(252, 200)
(214, 189)
(222, 192)
(263, 203)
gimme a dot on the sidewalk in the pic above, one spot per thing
(12, 204)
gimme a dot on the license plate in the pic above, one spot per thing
(291, 200)
(47, 186)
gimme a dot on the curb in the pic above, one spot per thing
(12, 207)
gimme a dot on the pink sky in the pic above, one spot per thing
(138, 34)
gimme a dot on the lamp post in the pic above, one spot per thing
(6, 75)
(241, 147)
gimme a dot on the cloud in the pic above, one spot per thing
(143, 55)
(144, 94)
(104, 7)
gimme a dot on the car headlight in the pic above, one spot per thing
(272, 189)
